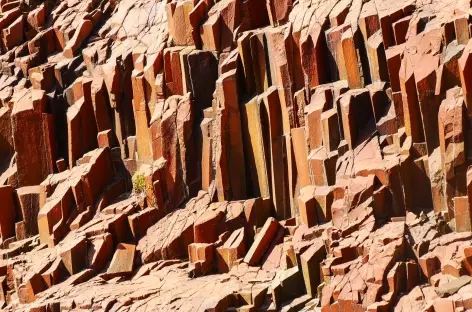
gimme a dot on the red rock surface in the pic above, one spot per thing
(236, 155)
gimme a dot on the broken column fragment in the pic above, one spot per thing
(357, 114)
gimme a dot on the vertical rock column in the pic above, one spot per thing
(231, 166)
(33, 138)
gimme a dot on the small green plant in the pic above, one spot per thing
(143, 187)
(139, 183)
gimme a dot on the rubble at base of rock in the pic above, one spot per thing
(236, 155)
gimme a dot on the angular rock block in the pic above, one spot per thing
(311, 261)
(58, 205)
(233, 249)
(141, 221)
(28, 200)
(100, 251)
(205, 229)
(257, 162)
(122, 263)
(330, 130)
(178, 21)
(262, 242)
(307, 206)
(82, 32)
(356, 112)
(202, 258)
(452, 135)
(271, 113)
(323, 166)
(287, 285)
(74, 255)
(35, 155)
(301, 156)
(231, 137)
(8, 214)
(56, 273)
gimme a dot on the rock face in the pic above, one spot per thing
(236, 155)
